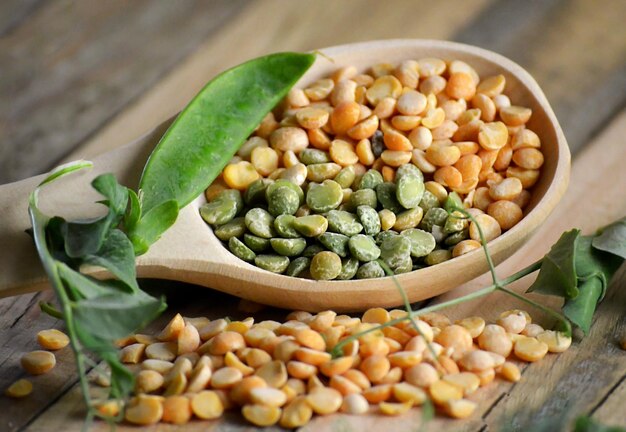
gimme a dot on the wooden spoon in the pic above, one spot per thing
(190, 252)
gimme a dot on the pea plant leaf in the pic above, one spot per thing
(557, 275)
(133, 214)
(594, 270)
(116, 195)
(612, 239)
(80, 286)
(114, 316)
(117, 256)
(56, 241)
(594, 263)
(580, 310)
(86, 236)
(579, 272)
(587, 424)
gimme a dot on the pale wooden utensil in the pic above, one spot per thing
(190, 252)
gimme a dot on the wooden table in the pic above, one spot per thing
(79, 78)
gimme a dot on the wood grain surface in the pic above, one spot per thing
(71, 65)
(79, 78)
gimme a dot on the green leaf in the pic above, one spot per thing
(85, 237)
(122, 379)
(612, 239)
(116, 195)
(591, 262)
(153, 223)
(117, 256)
(594, 270)
(580, 310)
(587, 424)
(95, 344)
(591, 268)
(557, 275)
(208, 132)
(55, 240)
(134, 211)
(49, 309)
(111, 317)
(82, 287)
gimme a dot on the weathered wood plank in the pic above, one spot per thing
(611, 411)
(71, 66)
(23, 319)
(568, 47)
(14, 12)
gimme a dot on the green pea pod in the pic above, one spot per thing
(152, 225)
(208, 132)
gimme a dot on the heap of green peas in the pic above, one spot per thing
(315, 232)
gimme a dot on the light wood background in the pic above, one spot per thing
(79, 78)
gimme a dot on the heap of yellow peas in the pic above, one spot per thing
(284, 373)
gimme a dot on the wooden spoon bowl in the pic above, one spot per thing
(190, 252)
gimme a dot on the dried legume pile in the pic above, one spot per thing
(284, 372)
(354, 170)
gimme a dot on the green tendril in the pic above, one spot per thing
(500, 285)
(408, 309)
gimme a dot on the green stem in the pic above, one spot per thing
(49, 309)
(476, 294)
(480, 293)
(407, 306)
(483, 241)
(78, 355)
(500, 285)
(337, 349)
(522, 273)
(39, 235)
